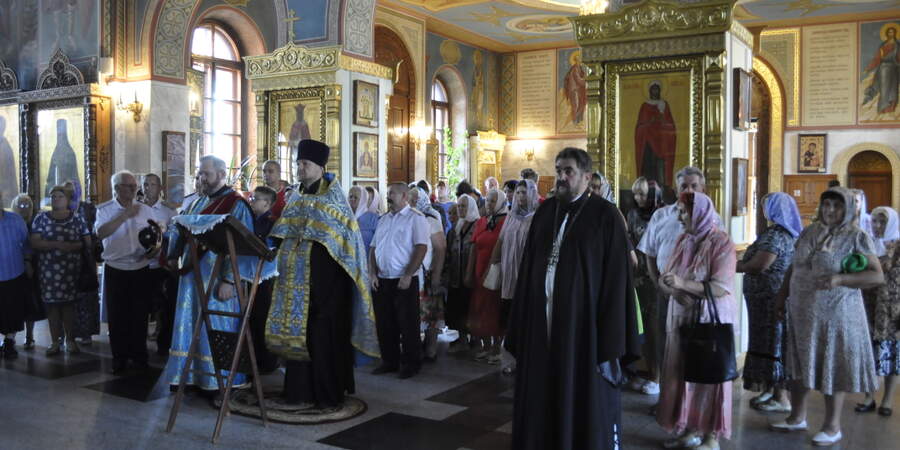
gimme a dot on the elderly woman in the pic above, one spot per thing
(647, 199)
(431, 289)
(828, 347)
(14, 288)
(703, 254)
(511, 246)
(34, 308)
(459, 247)
(484, 310)
(358, 198)
(764, 264)
(883, 309)
(374, 201)
(59, 236)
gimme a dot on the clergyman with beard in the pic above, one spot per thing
(574, 321)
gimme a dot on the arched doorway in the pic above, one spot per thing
(871, 171)
(390, 51)
(759, 145)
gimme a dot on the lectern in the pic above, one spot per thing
(228, 240)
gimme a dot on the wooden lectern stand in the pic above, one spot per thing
(228, 239)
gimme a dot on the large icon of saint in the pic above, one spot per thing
(63, 163)
(654, 138)
(885, 66)
(575, 88)
(9, 184)
(300, 128)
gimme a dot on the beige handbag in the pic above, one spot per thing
(492, 279)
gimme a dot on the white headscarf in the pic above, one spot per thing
(374, 202)
(521, 213)
(891, 229)
(471, 211)
(363, 206)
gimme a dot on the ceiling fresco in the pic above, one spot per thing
(502, 25)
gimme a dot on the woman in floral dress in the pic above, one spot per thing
(59, 236)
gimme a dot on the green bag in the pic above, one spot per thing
(854, 263)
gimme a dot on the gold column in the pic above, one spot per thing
(263, 152)
(714, 117)
(595, 141)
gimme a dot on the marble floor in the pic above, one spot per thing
(73, 402)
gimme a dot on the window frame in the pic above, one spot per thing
(444, 107)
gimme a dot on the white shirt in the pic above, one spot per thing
(121, 249)
(395, 239)
(162, 215)
(434, 227)
(661, 235)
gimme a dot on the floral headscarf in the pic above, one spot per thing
(423, 205)
(605, 188)
(782, 209)
(703, 220)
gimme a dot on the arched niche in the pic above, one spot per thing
(770, 79)
(841, 164)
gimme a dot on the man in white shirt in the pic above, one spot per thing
(126, 274)
(164, 283)
(658, 243)
(395, 267)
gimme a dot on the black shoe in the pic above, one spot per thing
(384, 368)
(119, 367)
(408, 372)
(886, 412)
(864, 408)
(9, 349)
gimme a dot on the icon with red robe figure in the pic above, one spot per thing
(654, 138)
(300, 128)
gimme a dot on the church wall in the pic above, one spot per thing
(794, 55)
(544, 162)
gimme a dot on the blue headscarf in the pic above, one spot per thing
(782, 209)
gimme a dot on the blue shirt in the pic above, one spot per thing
(13, 246)
(368, 222)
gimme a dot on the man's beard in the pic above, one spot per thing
(565, 195)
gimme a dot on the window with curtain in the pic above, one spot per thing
(215, 53)
(440, 120)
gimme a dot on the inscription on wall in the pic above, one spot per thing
(829, 56)
(535, 93)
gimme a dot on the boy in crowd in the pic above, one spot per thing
(261, 203)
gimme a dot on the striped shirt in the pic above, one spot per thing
(13, 245)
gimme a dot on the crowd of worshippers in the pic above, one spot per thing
(586, 299)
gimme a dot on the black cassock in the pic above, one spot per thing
(565, 396)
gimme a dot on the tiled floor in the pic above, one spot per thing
(71, 401)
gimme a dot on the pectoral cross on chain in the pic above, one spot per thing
(290, 19)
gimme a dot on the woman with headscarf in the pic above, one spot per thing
(374, 201)
(864, 219)
(647, 199)
(827, 345)
(34, 309)
(367, 220)
(459, 247)
(87, 307)
(510, 247)
(764, 264)
(883, 310)
(431, 291)
(701, 413)
(484, 310)
(600, 186)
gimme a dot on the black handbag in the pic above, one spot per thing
(709, 354)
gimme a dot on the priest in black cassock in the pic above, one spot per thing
(573, 324)
(321, 305)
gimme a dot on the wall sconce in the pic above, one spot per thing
(420, 134)
(135, 107)
(589, 7)
(529, 153)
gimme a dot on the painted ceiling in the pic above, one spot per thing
(505, 24)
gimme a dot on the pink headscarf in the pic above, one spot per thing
(703, 221)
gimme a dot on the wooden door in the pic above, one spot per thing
(871, 172)
(390, 51)
(806, 189)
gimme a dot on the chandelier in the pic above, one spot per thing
(589, 7)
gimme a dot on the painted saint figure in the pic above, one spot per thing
(300, 128)
(886, 66)
(811, 157)
(575, 88)
(63, 163)
(654, 138)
